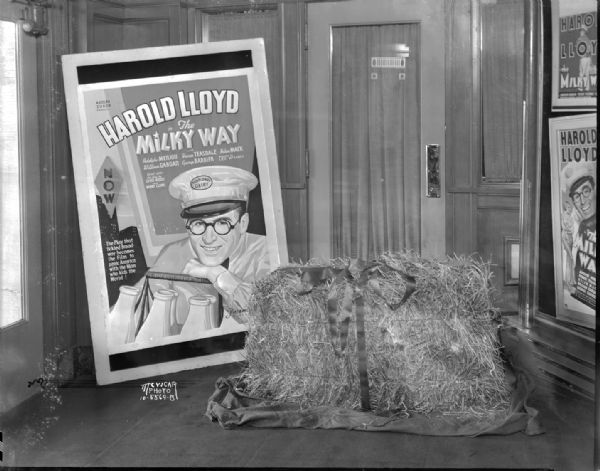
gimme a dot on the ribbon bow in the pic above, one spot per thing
(356, 276)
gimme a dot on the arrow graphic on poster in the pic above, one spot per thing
(108, 183)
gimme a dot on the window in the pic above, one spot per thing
(11, 285)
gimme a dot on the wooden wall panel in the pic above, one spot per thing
(502, 81)
(459, 96)
(480, 213)
(495, 223)
(461, 222)
(499, 201)
(113, 25)
(104, 26)
(146, 32)
(225, 24)
(560, 354)
(294, 161)
(152, 23)
(293, 158)
(295, 209)
(66, 321)
(106, 33)
(460, 183)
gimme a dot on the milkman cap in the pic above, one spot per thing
(574, 171)
(211, 190)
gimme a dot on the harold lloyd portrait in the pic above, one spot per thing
(217, 249)
(578, 223)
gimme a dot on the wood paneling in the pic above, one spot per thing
(66, 321)
(566, 361)
(227, 24)
(153, 23)
(498, 201)
(561, 354)
(281, 26)
(106, 33)
(104, 26)
(459, 98)
(502, 81)
(147, 32)
(479, 211)
(461, 226)
(113, 25)
(576, 344)
(494, 224)
(461, 221)
(293, 169)
(295, 208)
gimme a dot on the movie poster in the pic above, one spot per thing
(573, 153)
(574, 55)
(179, 201)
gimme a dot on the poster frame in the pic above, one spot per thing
(570, 103)
(94, 265)
(567, 308)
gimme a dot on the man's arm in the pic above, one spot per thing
(234, 290)
(235, 284)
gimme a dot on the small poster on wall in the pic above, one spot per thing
(179, 200)
(574, 55)
(573, 153)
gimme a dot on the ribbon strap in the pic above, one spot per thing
(353, 300)
(339, 322)
(361, 350)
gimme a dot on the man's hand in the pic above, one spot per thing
(567, 240)
(195, 268)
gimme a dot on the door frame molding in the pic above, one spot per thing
(21, 343)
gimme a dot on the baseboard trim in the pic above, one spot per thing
(563, 356)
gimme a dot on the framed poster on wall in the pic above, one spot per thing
(573, 154)
(574, 55)
(178, 197)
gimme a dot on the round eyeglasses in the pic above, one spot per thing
(585, 193)
(220, 226)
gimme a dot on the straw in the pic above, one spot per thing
(438, 353)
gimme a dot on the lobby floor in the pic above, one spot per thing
(110, 426)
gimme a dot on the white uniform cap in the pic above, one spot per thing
(573, 171)
(211, 190)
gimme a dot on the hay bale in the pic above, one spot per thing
(437, 353)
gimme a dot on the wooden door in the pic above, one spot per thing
(375, 99)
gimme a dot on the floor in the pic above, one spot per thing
(112, 426)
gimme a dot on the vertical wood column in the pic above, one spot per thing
(462, 130)
(293, 160)
(63, 291)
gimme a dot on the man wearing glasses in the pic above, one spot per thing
(218, 247)
(579, 183)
